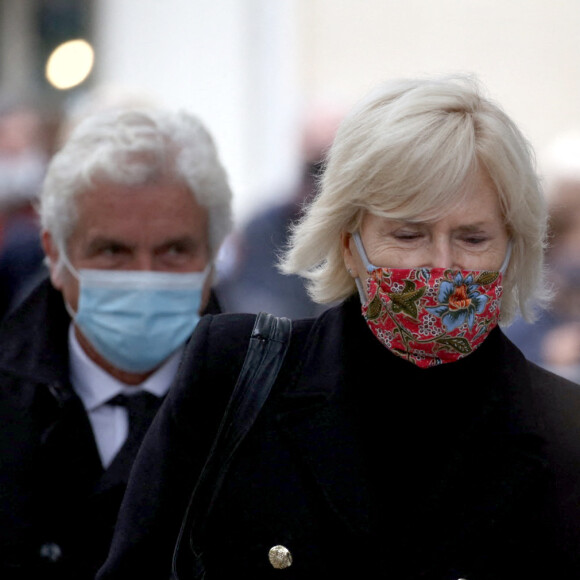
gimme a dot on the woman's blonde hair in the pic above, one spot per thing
(407, 150)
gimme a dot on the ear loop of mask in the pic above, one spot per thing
(506, 260)
(371, 267)
(62, 256)
(362, 253)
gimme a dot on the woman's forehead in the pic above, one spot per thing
(470, 212)
(433, 202)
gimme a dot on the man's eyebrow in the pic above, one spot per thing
(188, 241)
(101, 242)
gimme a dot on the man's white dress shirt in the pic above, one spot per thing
(95, 387)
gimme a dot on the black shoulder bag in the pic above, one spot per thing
(266, 350)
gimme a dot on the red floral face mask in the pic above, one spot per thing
(431, 316)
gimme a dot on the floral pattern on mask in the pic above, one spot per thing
(432, 316)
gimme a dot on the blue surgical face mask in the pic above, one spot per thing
(137, 319)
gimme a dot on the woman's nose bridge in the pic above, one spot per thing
(441, 253)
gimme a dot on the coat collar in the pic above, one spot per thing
(34, 343)
(34, 337)
(315, 418)
(316, 409)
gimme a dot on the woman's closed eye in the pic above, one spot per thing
(408, 236)
(475, 240)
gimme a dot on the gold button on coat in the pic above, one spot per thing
(280, 557)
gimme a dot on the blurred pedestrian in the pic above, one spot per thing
(253, 282)
(553, 340)
(23, 158)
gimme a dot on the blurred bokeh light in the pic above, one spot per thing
(70, 64)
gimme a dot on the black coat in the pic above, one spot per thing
(361, 464)
(57, 504)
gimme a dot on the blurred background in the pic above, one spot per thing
(250, 68)
(271, 79)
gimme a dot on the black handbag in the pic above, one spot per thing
(266, 351)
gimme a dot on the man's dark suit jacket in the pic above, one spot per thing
(57, 505)
(362, 465)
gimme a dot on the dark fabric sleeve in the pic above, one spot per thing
(174, 450)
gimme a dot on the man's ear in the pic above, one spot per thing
(52, 253)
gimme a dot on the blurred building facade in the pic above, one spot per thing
(247, 67)
(231, 62)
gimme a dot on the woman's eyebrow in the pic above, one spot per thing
(477, 226)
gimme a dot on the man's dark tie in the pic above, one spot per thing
(141, 409)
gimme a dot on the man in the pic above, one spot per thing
(133, 210)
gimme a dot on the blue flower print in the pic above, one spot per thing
(459, 301)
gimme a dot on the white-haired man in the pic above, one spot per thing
(133, 211)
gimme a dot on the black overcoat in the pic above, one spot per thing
(58, 506)
(361, 464)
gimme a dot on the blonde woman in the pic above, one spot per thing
(402, 437)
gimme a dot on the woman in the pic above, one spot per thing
(405, 436)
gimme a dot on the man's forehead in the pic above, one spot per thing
(155, 214)
(154, 198)
(104, 239)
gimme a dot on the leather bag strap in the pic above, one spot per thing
(266, 351)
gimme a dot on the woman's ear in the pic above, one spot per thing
(346, 243)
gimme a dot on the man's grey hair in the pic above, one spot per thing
(136, 147)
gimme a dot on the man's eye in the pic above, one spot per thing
(176, 250)
(112, 250)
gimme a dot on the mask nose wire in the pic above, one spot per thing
(370, 267)
(75, 273)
